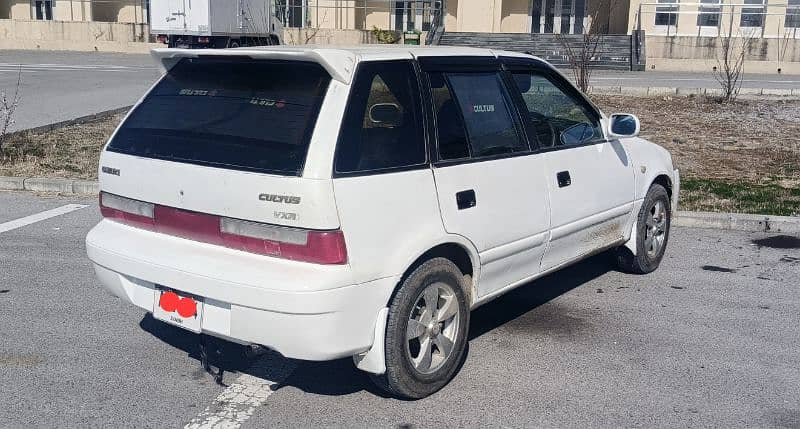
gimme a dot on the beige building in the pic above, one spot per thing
(667, 34)
(757, 18)
(127, 11)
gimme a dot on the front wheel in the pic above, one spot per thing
(426, 331)
(652, 233)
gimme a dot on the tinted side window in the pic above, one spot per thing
(486, 109)
(451, 135)
(382, 127)
(555, 117)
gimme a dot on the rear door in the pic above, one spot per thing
(196, 14)
(491, 188)
(162, 18)
(176, 14)
(590, 179)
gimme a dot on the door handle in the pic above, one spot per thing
(563, 179)
(466, 199)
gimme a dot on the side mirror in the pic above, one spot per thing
(624, 125)
(386, 114)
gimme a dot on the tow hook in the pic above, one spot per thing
(224, 354)
(208, 344)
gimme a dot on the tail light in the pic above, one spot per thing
(319, 247)
(203, 40)
(126, 210)
(162, 39)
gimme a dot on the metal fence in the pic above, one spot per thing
(399, 15)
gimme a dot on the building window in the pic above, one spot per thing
(709, 13)
(752, 16)
(412, 15)
(292, 13)
(668, 13)
(43, 9)
(793, 14)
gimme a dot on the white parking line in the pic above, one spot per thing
(38, 217)
(239, 400)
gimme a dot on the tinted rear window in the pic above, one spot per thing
(233, 113)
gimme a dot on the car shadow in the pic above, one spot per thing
(231, 357)
(340, 377)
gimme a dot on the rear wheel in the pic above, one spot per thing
(426, 331)
(652, 234)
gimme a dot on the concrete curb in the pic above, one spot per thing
(60, 186)
(662, 91)
(738, 222)
(725, 221)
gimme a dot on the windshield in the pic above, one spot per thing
(234, 113)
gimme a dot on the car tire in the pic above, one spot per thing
(652, 234)
(419, 333)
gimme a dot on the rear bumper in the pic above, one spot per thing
(303, 311)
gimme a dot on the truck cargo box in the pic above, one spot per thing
(212, 17)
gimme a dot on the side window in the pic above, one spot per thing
(486, 110)
(556, 118)
(452, 137)
(382, 127)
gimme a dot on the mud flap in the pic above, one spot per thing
(374, 359)
(634, 223)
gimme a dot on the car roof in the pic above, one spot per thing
(339, 61)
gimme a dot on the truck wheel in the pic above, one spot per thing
(233, 44)
(426, 331)
(652, 233)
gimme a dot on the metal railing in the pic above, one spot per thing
(398, 15)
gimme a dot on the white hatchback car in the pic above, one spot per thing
(334, 202)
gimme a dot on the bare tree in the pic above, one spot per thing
(581, 55)
(788, 36)
(8, 105)
(731, 55)
(310, 33)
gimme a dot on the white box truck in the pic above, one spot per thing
(215, 23)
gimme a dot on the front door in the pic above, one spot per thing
(590, 179)
(491, 187)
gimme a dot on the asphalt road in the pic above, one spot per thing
(710, 339)
(58, 86)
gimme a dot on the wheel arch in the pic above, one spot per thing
(661, 178)
(457, 249)
(664, 180)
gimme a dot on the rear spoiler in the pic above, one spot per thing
(338, 63)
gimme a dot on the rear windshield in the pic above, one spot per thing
(233, 113)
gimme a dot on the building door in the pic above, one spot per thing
(558, 16)
(43, 10)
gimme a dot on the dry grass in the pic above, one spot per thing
(71, 152)
(753, 141)
(742, 156)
